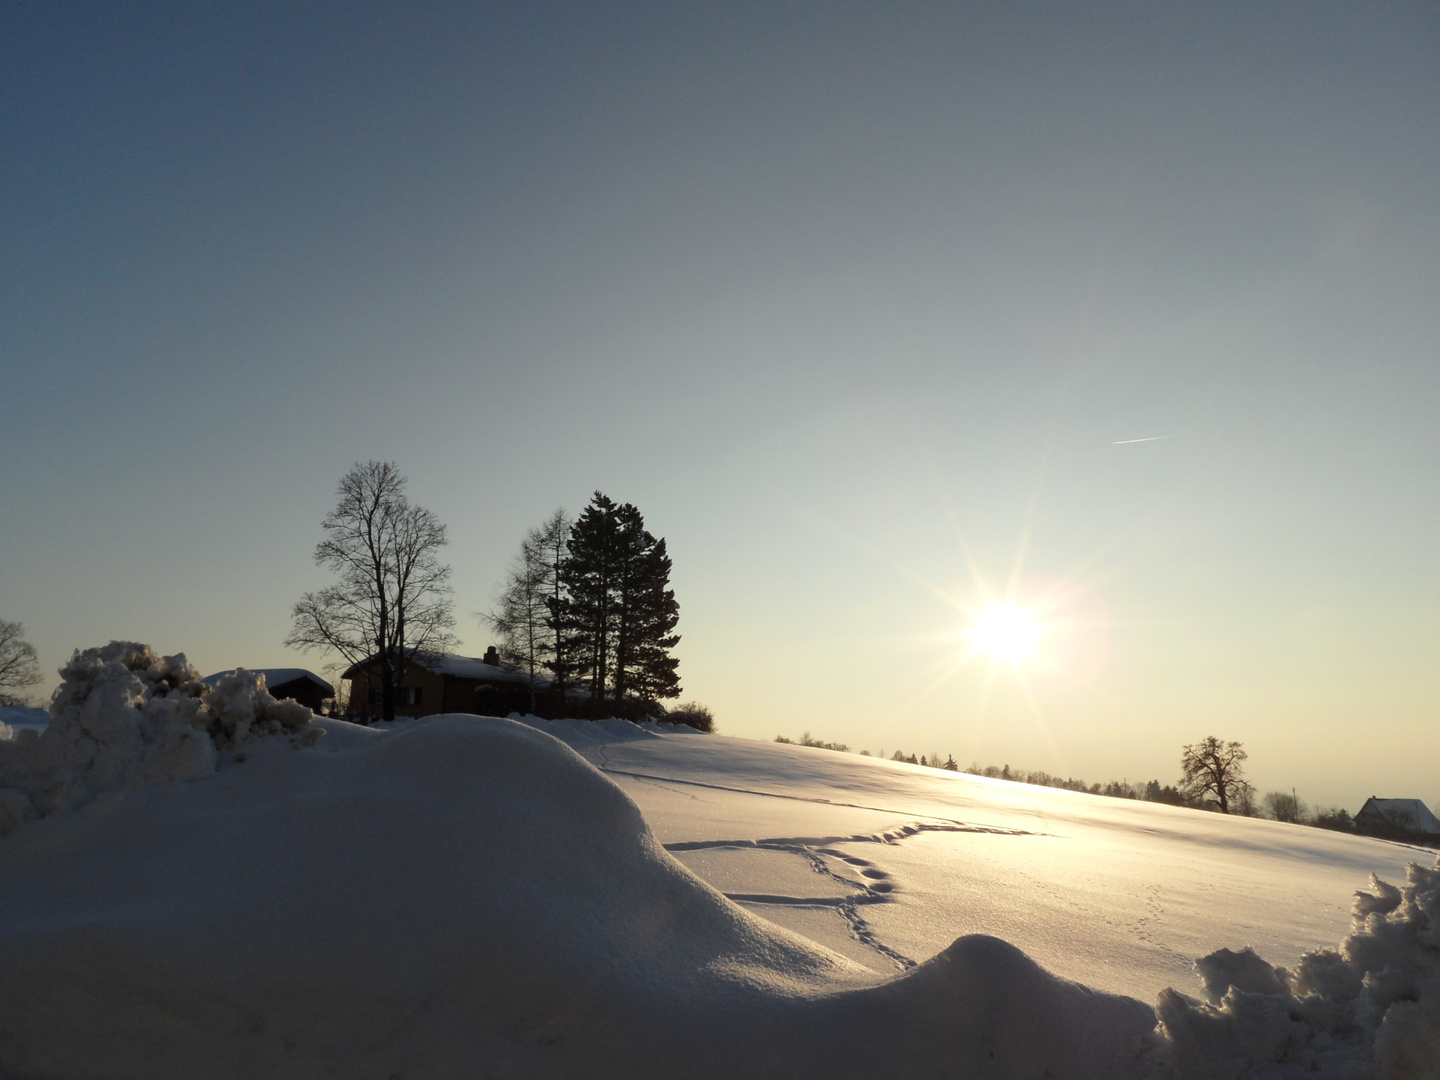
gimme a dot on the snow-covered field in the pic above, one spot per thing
(1120, 895)
(463, 897)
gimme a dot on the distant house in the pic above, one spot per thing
(445, 683)
(1403, 819)
(304, 686)
(20, 717)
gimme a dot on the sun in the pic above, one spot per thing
(1005, 633)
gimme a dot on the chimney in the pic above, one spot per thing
(492, 656)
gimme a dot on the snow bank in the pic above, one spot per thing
(123, 717)
(463, 896)
(1370, 1009)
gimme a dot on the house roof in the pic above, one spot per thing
(1403, 810)
(24, 716)
(277, 676)
(463, 667)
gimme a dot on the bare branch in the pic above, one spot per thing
(392, 596)
(19, 665)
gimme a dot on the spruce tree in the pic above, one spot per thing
(589, 610)
(648, 671)
(618, 613)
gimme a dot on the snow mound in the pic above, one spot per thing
(464, 896)
(583, 734)
(123, 717)
(1370, 1009)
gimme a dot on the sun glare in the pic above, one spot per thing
(1003, 632)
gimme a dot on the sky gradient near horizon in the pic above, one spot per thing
(866, 308)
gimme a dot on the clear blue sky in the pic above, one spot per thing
(859, 304)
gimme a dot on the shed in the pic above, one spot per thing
(304, 686)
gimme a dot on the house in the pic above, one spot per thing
(20, 717)
(304, 686)
(1398, 819)
(445, 683)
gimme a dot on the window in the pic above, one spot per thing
(404, 695)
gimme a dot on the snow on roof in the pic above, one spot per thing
(23, 716)
(1413, 813)
(463, 667)
(277, 676)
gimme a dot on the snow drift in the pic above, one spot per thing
(124, 717)
(463, 896)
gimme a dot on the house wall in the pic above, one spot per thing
(432, 694)
(446, 694)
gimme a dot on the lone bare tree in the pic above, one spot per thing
(1212, 767)
(392, 599)
(1287, 806)
(18, 663)
(523, 613)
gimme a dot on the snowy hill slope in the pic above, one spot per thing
(1120, 895)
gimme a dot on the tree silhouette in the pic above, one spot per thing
(523, 613)
(617, 615)
(1212, 767)
(18, 664)
(392, 599)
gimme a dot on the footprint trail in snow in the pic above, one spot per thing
(840, 882)
(843, 883)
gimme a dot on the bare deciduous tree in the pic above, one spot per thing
(392, 599)
(1287, 806)
(523, 614)
(1212, 767)
(19, 665)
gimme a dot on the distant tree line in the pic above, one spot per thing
(806, 740)
(1212, 779)
(933, 761)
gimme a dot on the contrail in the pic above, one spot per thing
(1152, 438)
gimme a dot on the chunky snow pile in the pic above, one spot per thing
(457, 897)
(124, 717)
(1370, 1009)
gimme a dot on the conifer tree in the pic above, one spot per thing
(647, 669)
(588, 611)
(617, 615)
